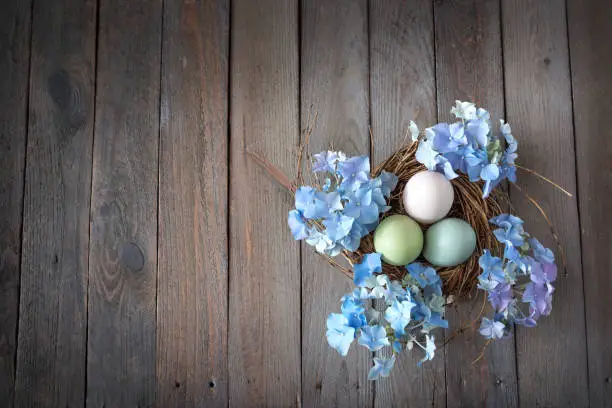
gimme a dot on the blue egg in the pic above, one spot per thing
(449, 242)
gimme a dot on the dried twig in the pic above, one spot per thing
(274, 171)
(545, 179)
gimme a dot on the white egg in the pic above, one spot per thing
(428, 196)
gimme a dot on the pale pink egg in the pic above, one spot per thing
(428, 196)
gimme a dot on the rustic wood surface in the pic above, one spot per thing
(590, 61)
(537, 63)
(51, 362)
(144, 254)
(264, 274)
(192, 250)
(14, 69)
(121, 340)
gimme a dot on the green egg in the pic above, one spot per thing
(399, 239)
(449, 242)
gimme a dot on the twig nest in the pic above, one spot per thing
(468, 205)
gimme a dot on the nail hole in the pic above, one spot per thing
(177, 384)
(211, 384)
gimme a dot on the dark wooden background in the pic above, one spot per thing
(145, 258)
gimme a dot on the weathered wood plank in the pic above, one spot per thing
(123, 253)
(335, 84)
(264, 304)
(402, 86)
(14, 67)
(192, 269)
(469, 67)
(53, 319)
(552, 366)
(591, 63)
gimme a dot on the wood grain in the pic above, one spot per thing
(14, 69)
(192, 270)
(552, 365)
(264, 304)
(52, 323)
(335, 84)
(469, 67)
(403, 87)
(123, 255)
(591, 64)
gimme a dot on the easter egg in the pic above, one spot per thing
(449, 242)
(399, 239)
(428, 196)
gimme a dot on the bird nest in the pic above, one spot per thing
(468, 206)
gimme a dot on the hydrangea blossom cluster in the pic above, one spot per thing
(346, 208)
(468, 146)
(519, 285)
(381, 312)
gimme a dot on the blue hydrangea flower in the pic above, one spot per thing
(326, 161)
(511, 143)
(492, 267)
(541, 273)
(305, 200)
(339, 334)
(427, 155)
(539, 296)
(345, 209)
(491, 329)
(373, 337)
(424, 275)
(513, 255)
(361, 207)
(326, 204)
(398, 315)
(500, 296)
(478, 131)
(352, 304)
(541, 253)
(474, 162)
(510, 231)
(527, 321)
(363, 271)
(297, 225)
(435, 320)
(430, 348)
(524, 258)
(389, 290)
(338, 226)
(414, 131)
(353, 239)
(382, 367)
(355, 171)
(464, 110)
(388, 182)
(314, 204)
(444, 166)
(447, 138)
(469, 146)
